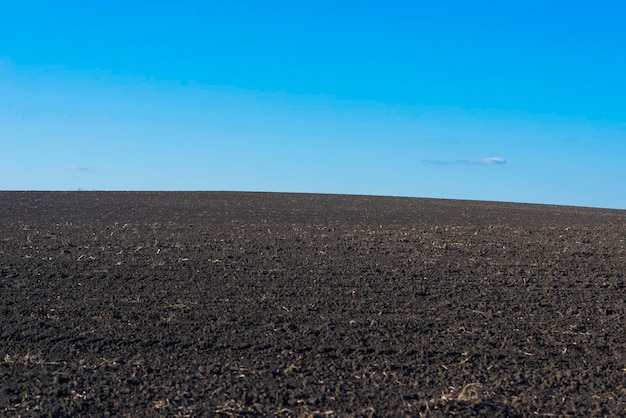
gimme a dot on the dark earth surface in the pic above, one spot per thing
(258, 304)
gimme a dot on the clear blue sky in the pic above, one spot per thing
(494, 100)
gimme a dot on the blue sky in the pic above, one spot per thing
(490, 100)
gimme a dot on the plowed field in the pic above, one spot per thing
(289, 305)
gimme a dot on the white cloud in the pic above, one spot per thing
(481, 161)
(486, 161)
(76, 167)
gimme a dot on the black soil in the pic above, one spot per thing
(289, 305)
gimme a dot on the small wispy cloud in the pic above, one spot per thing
(481, 161)
(486, 161)
(76, 167)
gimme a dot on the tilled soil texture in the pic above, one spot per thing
(256, 304)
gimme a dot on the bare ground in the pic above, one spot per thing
(257, 304)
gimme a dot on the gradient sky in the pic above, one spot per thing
(520, 101)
